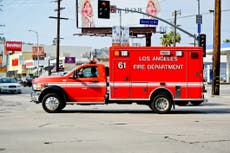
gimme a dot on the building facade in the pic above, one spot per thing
(32, 62)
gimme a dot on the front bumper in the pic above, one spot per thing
(34, 96)
(11, 90)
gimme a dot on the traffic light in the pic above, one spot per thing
(202, 43)
(103, 9)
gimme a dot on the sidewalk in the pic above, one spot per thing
(224, 92)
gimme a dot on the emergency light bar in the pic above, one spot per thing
(122, 53)
(179, 53)
(165, 52)
(116, 53)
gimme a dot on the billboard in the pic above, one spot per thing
(87, 13)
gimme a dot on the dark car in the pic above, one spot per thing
(27, 82)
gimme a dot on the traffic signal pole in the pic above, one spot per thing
(216, 49)
(165, 21)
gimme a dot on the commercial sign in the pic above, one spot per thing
(38, 52)
(15, 62)
(13, 46)
(1, 59)
(3, 69)
(70, 60)
(87, 13)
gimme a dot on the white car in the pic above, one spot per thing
(9, 85)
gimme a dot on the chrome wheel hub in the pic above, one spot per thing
(52, 103)
(161, 104)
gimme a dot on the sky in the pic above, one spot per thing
(19, 16)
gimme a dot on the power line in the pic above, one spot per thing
(194, 15)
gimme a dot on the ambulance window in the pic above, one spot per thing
(194, 55)
(88, 72)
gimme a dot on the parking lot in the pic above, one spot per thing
(26, 128)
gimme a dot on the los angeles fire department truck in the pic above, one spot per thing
(160, 77)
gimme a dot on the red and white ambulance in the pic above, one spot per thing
(160, 77)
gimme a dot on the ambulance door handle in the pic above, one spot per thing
(126, 78)
(95, 81)
(197, 74)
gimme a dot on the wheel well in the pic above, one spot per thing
(53, 89)
(161, 91)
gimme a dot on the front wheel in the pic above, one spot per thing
(52, 103)
(161, 104)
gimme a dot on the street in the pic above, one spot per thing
(26, 128)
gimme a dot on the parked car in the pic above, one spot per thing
(9, 85)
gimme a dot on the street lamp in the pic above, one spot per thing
(37, 50)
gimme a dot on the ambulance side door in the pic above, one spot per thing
(195, 74)
(87, 87)
(120, 79)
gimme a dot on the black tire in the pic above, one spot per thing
(62, 106)
(161, 104)
(52, 103)
(196, 103)
(182, 103)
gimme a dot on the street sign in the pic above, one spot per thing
(149, 21)
(199, 19)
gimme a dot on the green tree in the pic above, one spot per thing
(168, 38)
(226, 40)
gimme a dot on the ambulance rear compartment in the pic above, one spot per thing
(136, 72)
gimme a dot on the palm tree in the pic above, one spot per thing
(168, 38)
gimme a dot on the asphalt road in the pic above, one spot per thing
(26, 128)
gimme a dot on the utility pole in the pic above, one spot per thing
(175, 13)
(58, 35)
(216, 49)
(198, 19)
(59, 8)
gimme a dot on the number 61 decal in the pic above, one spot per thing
(121, 65)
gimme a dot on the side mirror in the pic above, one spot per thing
(75, 74)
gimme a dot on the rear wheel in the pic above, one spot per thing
(161, 104)
(52, 103)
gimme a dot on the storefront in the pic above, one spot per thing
(224, 63)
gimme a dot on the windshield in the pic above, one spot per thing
(8, 80)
